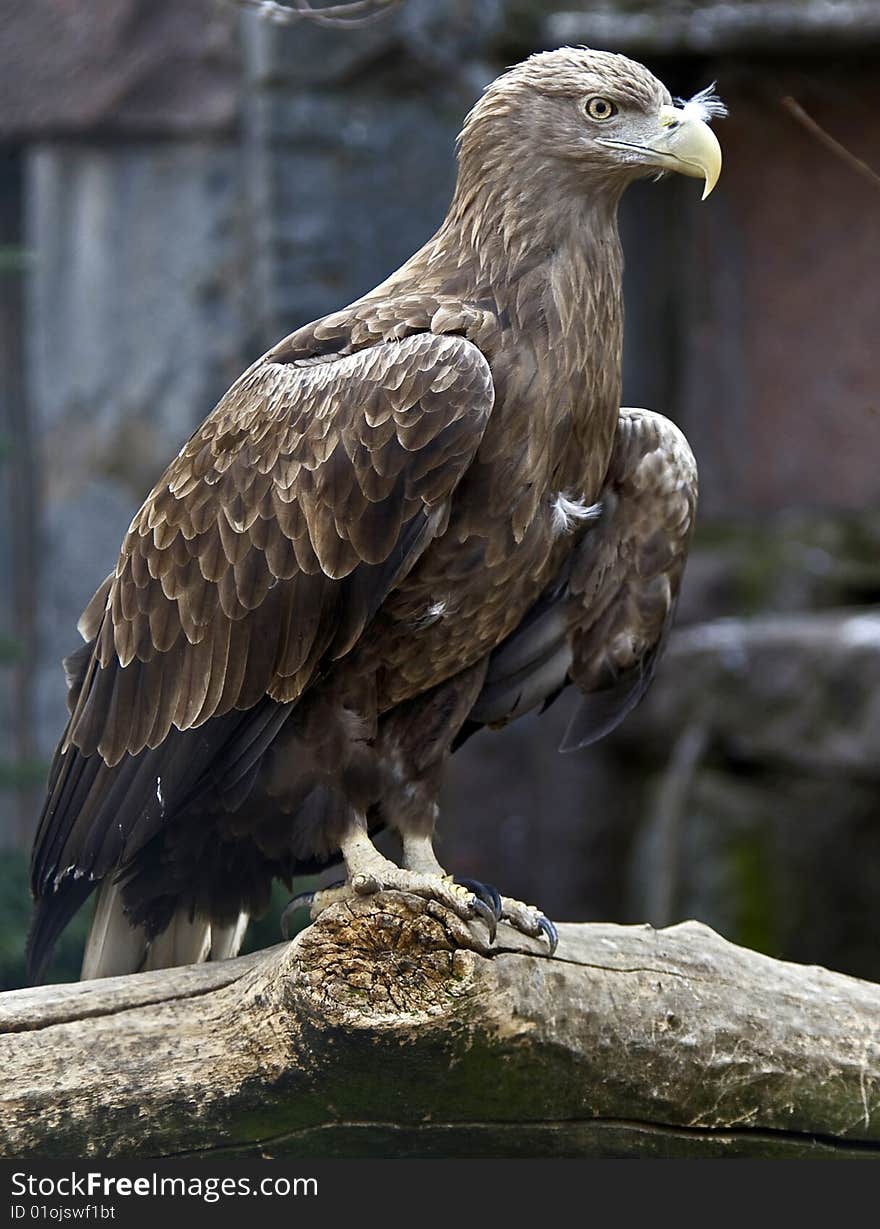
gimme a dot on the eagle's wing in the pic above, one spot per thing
(604, 623)
(264, 550)
(626, 580)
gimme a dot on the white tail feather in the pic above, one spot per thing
(185, 940)
(226, 940)
(115, 947)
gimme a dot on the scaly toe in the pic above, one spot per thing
(529, 921)
(365, 885)
(460, 898)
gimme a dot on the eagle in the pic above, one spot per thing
(413, 518)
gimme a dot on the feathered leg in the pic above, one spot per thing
(414, 741)
(369, 872)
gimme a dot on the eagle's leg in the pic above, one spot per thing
(419, 856)
(369, 872)
(414, 742)
(418, 736)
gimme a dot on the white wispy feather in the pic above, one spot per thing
(431, 614)
(705, 106)
(568, 513)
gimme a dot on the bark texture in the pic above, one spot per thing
(387, 1029)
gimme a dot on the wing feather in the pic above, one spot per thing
(604, 622)
(270, 542)
(626, 581)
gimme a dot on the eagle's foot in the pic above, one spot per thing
(465, 902)
(529, 921)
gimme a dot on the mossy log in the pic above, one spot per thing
(388, 1029)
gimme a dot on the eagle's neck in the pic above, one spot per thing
(505, 222)
(546, 248)
(547, 254)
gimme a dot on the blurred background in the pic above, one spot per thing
(182, 182)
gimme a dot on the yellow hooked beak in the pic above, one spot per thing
(682, 141)
(688, 145)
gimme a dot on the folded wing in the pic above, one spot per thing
(603, 623)
(263, 552)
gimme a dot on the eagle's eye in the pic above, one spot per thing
(600, 108)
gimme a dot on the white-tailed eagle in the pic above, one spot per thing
(422, 514)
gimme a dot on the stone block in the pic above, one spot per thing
(136, 319)
(782, 863)
(799, 692)
(118, 66)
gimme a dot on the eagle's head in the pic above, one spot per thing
(600, 117)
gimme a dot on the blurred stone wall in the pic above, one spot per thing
(193, 183)
(124, 295)
(770, 829)
(137, 316)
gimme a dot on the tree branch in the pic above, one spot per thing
(352, 15)
(386, 1029)
(831, 143)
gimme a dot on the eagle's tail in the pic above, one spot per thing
(116, 946)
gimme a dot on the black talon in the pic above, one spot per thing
(484, 892)
(545, 926)
(297, 902)
(484, 911)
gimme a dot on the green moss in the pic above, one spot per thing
(753, 894)
(10, 650)
(265, 931)
(796, 560)
(17, 773)
(15, 917)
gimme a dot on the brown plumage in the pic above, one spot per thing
(419, 515)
